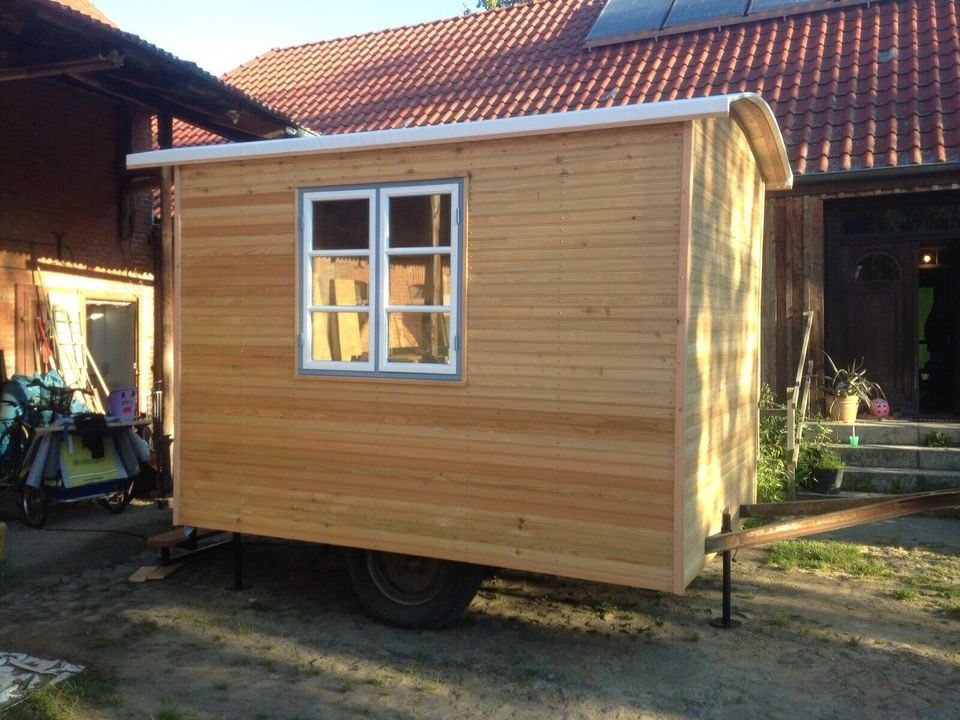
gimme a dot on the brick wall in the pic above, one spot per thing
(62, 197)
(62, 151)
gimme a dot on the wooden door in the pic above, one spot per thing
(872, 314)
(27, 354)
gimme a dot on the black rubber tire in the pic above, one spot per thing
(412, 591)
(116, 504)
(33, 506)
(13, 441)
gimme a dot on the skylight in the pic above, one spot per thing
(624, 20)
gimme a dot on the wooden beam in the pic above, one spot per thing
(165, 277)
(111, 61)
(164, 104)
(817, 517)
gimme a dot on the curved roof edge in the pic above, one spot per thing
(750, 110)
(760, 124)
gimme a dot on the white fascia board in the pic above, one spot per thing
(578, 120)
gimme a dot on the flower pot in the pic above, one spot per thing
(827, 480)
(843, 408)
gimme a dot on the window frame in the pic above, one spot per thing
(378, 252)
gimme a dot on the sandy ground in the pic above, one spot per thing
(295, 644)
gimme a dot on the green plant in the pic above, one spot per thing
(771, 464)
(938, 438)
(771, 458)
(848, 381)
(168, 712)
(68, 700)
(825, 458)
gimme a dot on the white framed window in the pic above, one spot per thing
(380, 277)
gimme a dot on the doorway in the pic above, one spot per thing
(938, 327)
(111, 337)
(892, 295)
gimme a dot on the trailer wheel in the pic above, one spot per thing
(413, 591)
(117, 503)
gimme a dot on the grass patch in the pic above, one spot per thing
(168, 712)
(779, 620)
(142, 629)
(72, 699)
(905, 594)
(933, 584)
(825, 555)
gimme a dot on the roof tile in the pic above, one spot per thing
(853, 87)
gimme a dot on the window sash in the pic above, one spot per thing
(379, 254)
(383, 291)
(307, 360)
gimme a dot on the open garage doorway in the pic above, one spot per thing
(111, 336)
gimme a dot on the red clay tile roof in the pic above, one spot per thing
(87, 8)
(853, 88)
(198, 88)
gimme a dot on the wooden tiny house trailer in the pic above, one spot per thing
(557, 372)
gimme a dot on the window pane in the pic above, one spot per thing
(877, 267)
(340, 280)
(343, 336)
(420, 221)
(417, 337)
(341, 224)
(420, 280)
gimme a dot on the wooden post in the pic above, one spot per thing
(164, 290)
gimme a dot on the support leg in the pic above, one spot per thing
(726, 621)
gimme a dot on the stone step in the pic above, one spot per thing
(911, 457)
(898, 480)
(893, 432)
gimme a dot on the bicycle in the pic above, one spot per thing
(19, 443)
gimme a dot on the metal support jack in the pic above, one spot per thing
(237, 561)
(809, 517)
(725, 621)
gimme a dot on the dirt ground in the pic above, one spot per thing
(296, 644)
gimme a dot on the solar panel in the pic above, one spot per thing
(762, 5)
(686, 12)
(624, 19)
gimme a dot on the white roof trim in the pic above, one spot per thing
(578, 120)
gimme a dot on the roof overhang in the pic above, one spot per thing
(42, 38)
(750, 110)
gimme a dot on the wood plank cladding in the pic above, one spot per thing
(557, 451)
(721, 380)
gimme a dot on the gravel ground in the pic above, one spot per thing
(295, 644)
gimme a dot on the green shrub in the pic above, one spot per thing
(938, 438)
(772, 461)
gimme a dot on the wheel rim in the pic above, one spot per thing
(407, 579)
(32, 502)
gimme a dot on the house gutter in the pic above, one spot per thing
(841, 180)
(762, 127)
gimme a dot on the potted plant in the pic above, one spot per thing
(846, 388)
(827, 470)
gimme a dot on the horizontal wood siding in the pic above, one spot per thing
(723, 334)
(555, 453)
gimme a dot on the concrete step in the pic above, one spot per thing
(893, 432)
(898, 480)
(900, 456)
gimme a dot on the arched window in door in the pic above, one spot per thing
(877, 267)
